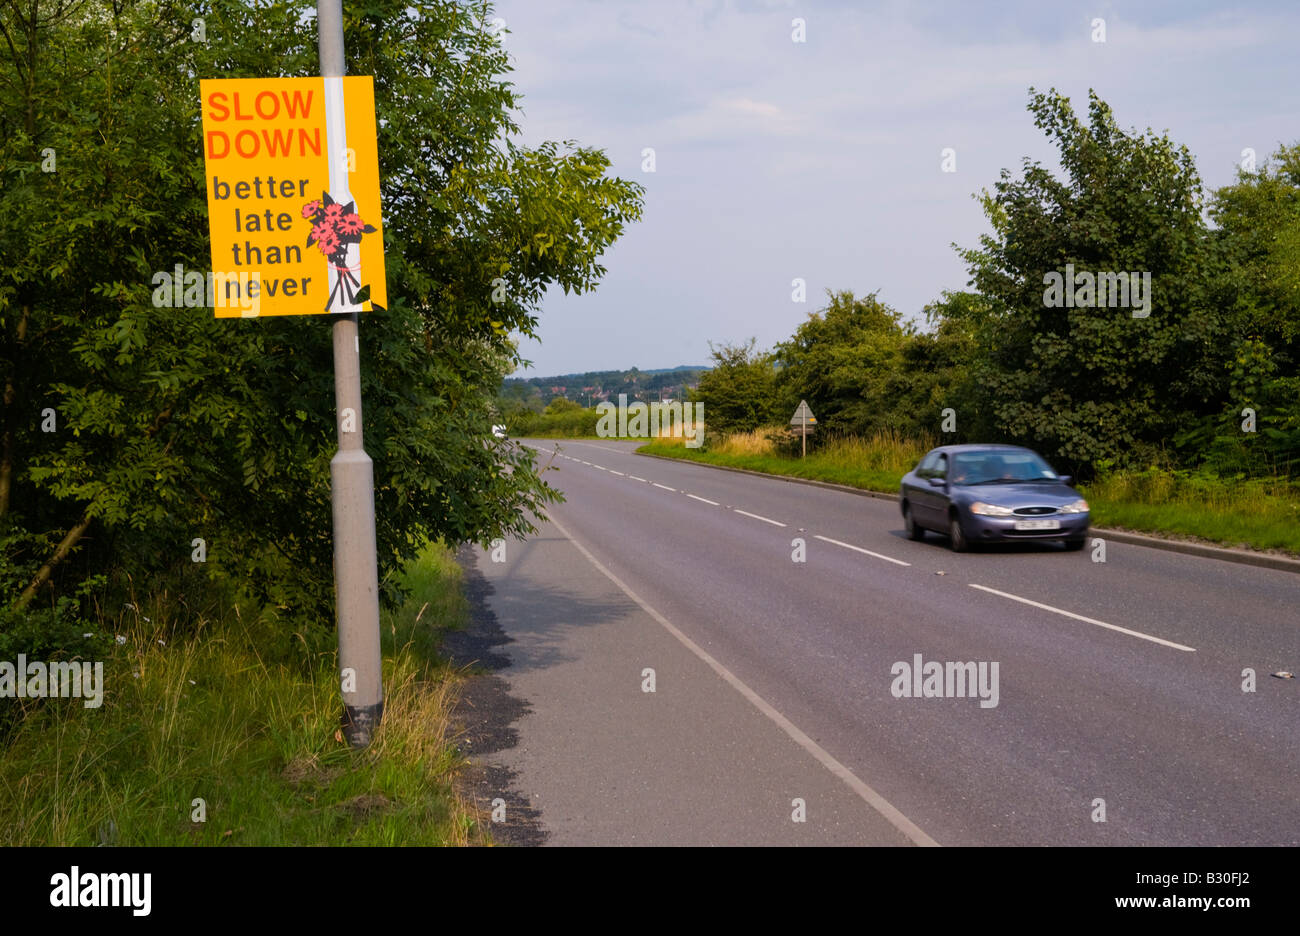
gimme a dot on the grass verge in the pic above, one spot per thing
(206, 717)
(874, 464)
(1259, 514)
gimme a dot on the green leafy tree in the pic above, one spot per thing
(560, 405)
(933, 375)
(840, 361)
(1091, 383)
(1257, 279)
(171, 425)
(740, 392)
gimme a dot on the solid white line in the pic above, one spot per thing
(827, 539)
(635, 478)
(705, 499)
(664, 486)
(619, 473)
(873, 799)
(587, 463)
(757, 517)
(1087, 620)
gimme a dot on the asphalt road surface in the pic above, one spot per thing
(776, 716)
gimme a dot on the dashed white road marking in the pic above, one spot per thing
(635, 478)
(705, 499)
(1086, 620)
(601, 467)
(827, 539)
(757, 517)
(619, 473)
(891, 813)
(664, 486)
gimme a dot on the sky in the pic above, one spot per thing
(823, 159)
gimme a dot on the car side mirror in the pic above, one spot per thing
(938, 482)
(1065, 479)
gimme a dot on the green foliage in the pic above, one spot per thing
(171, 425)
(206, 714)
(570, 422)
(839, 360)
(740, 393)
(932, 374)
(561, 405)
(1257, 259)
(1091, 383)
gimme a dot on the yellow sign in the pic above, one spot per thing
(292, 174)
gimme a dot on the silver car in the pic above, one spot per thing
(991, 493)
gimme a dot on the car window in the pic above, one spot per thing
(995, 466)
(926, 467)
(941, 466)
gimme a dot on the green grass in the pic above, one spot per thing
(1258, 514)
(207, 717)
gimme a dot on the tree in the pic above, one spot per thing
(1094, 382)
(172, 425)
(1257, 278)
(739, 394)
(840, 360)
(560, 405)
(933, 375)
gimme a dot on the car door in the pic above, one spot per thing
(936, 503)
(919, 493)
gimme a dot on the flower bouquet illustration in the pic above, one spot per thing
(334, 227)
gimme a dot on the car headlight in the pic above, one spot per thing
(1079, 506)
(990, 510)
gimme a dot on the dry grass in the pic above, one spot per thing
(746, 443)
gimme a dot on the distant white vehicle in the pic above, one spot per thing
(499, 431)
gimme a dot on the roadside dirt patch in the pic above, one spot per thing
(485, 716)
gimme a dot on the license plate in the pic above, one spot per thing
(1038, 524)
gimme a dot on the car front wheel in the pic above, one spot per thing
(909, 523)
(956, 536)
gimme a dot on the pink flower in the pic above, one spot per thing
(351, 224)
(324, 229)
(333, 211)
(310, 209)
(328, 242)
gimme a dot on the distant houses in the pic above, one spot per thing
(600, 386)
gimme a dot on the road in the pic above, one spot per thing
(1119, 683)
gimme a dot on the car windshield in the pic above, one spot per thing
(995, 467)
